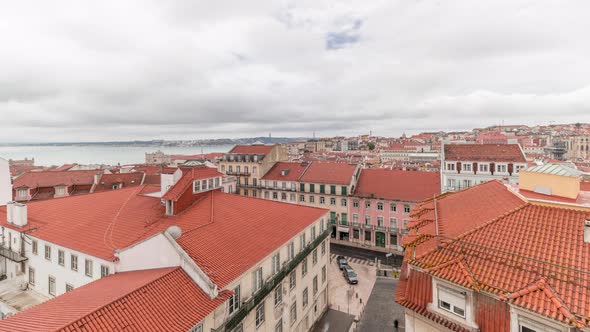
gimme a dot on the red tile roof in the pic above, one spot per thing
(55, 178)
(205, 156)
(328, 173)
(252, 149)
(148, 300)
(397, 185)
(64, 167)
(294, 171)
(534, 257)
(107, 181)
(186, 181)
(214, 228)
(484, 152)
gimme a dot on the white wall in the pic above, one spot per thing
(153, 253)
(5, 183)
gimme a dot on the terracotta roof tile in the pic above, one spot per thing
(107, 181)
(484, 152)
(148, 300)
(329, 173)
(252, 149)
(397, 185)
(293, 171)
(187, 179)
(55, 178)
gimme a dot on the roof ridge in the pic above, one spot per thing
(305, 170)
(82, 317)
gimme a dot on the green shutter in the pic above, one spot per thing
(322, 189)
(333, 190)
(312, 187)
(344, 191)
(302, 187)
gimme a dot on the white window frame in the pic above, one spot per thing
(469, 319)
(257, 280)
(235, 306)
(259, 315)
(519, 318)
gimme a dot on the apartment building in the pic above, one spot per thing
(579, 147)
(466, 165)
(487, 259)
(248, 163)
(190, 259)
(318, 184)
(380, 207)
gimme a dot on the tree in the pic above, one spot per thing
(371, 146)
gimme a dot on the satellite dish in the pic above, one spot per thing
(174, 231)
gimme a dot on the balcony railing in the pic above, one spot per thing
(344, 223)
(269, 286)
(356, 224)
(244, 173)
(368, 226)
(12, 255)
(381, 228)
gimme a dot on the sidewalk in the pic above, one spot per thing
(334, 321)
(381, 309)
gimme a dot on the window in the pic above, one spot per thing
(260, 314)
(47, 252)
(405, 224)
(333, 190)
(279, 326)
(291, 250)
(302, 198)
(245, 169)
(217, 182)
(355, 204)
(367, 220)
(323, 248)
(60, 191)
(275, 184)
(257, 280)
(230, 170)
(104, 271)
(393, 223)
(292, 280)
(254, 170)
(34, 247)
(355, 218)
(88, 267)
(283, 196)
(302, 242)
(380, 206)
(367, 204)
(204, 185)
(322, 189)
(502, 168)
(293, 312)
(305, 296)
(380, 221)
(313, 233)
(528, 325)
(311, 199)
(323, 274)
(322, 200)
(343, 191)
(69, 288)
(31, 276)
(61, 257)
(451, 301)
(266, 195)
(197, 186)
(276, 263)
(343, 202)
(484, 167)
(450, 166)
(315, 285)
(234, 301)
(279, 294)
(302, 187)
(275, 195)
(304, 267)
(367, 235)
(292, 197)
(406, 208)
(74, 262)
(312, 188)
(22, 193)
(467, 167)
(51, 286)
(314, 257)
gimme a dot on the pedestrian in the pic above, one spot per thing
(396, 325)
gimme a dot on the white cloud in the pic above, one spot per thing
(76, 70)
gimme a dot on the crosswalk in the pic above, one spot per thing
(355, 260)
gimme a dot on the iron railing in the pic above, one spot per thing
(270, 285)
(12, 255)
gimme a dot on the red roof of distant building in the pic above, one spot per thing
(117, 219)
(484, 152)
(407, 186)
(16, 170)
(154, 170)
(186, 181)
(147, 300)
(205, 156)
(329, 173)
(64, 167)
(107, 181)
(252, 149)
(55, 178)
(293, 171)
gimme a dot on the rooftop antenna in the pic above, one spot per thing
(314, 134)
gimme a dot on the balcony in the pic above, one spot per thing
(240, 173)
(269, 286)
(356, 224)
(368, 227)
(12, 255)
(381, 228)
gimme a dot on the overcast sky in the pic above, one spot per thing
(111, 70)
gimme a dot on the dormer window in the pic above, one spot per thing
(60, 191)
(450, 166)
(484, 168)
(22, 193)
(217, 182)
(451, 301)
(501, 168)
(197, 186)
(204, 185)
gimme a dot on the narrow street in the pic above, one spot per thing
(394, 260)
(381, 310)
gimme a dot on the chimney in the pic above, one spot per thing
(5, 183)
(9, 212)
(587, 231)
(19, 215)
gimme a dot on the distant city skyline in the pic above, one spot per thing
(141, 70)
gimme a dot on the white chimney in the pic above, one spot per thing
(9, 212)
(5, 183)
(19, 214)
(587, 231)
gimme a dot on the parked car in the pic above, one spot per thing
(342, 263)
(350, 275)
